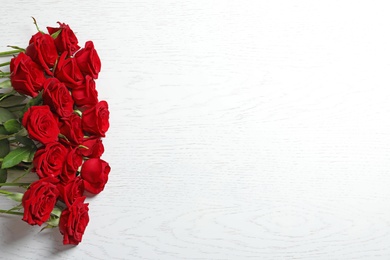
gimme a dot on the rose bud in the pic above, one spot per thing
(95, 172)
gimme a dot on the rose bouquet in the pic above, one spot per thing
(52, 125)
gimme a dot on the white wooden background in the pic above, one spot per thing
(239, 129)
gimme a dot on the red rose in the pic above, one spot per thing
(88, 60)
(95, 172)
(39, 200)
(72, 162)
(72, 190)
(66, 39)
(27, 77)
(95, 119)
(95, 147)
(73, 222)
(71, 128)
(43, 51)
(49, 160)
(68, 72)
(41, 124)
(86, 94)
(57, 97)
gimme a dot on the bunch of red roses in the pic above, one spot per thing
(52, 123)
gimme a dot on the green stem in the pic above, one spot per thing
(16, 47)
(16, 196)
(11, 212)
(6, 137)
(12, 184)
(24, 174)
(5, 95)
(5, 84)
(5, 74)
(5, 63)
(9, 53)
(36, 25)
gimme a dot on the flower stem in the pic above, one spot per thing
(36, 25)
(5, 74)
(24, 174)
(5, 63)
(16, 196)
(16, 47)
(9, 53)
(11, 212)
(13, 184)
(5, 84)
(5, 137)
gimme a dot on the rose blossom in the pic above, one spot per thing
(73, 221)
(39, 200)
(85, 94)
(27, 77)
(68, 72)
(94, 145)
(95, 119)
(66, 39)
(71, 190)
(43, 51)
(72, 162)
(88, 60)
(49, 160)
(41, 124)
(95, 172)
(71, 128)
(57, 97)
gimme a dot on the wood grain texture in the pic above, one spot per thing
(239, 129)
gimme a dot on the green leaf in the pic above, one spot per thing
(5, 95)
(16, 156)
(53, 221)
(2, 137)
(34, 101)
(12, 126)
(56, 212)
(22, 132)
(2, 130)
(25, 140)
(16, 196)
(4, 148)
(5, 115)
(30, 157)
(12, 101)
(55, 35)
(3, 175)
(6, 84)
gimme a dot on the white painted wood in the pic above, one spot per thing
(239, 129)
